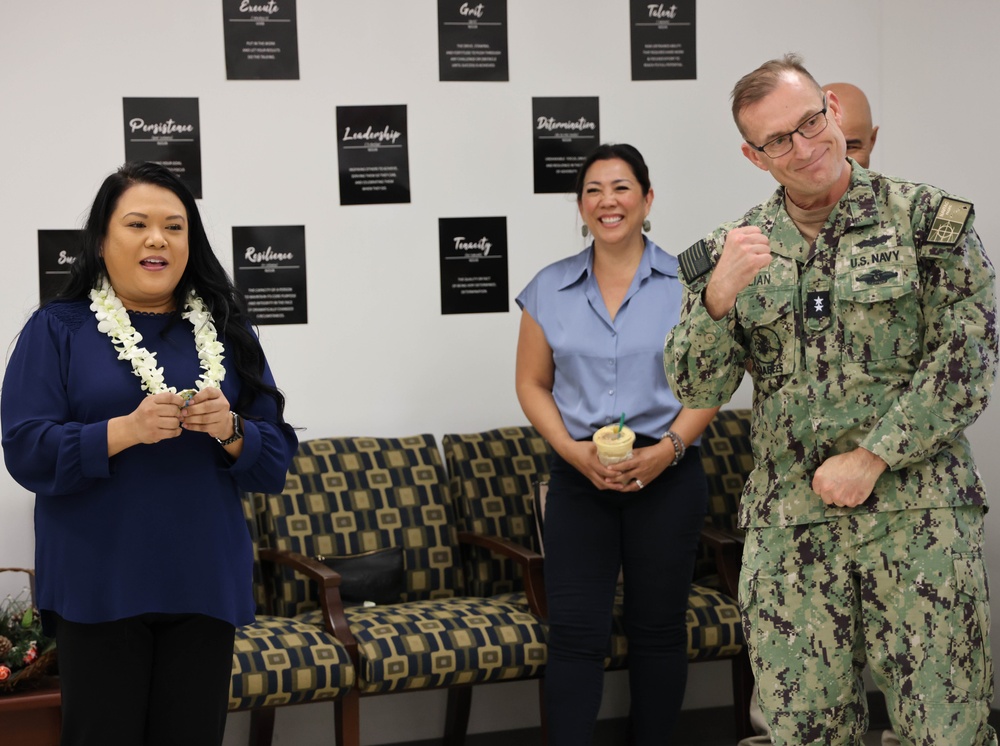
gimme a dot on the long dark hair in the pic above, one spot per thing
(203, 274)
(610, 151)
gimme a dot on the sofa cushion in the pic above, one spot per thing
(278, 661)
(429, 644)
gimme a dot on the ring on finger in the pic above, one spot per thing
(639, 482)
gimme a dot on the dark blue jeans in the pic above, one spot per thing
(653, 536)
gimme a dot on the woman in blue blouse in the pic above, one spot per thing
(590, 348)
(138, 406)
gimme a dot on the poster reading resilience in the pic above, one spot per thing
(566, 130)
(472, 40)
(372, 154)
(473, 265)
(165, 131)
(57, 250)
(261, 39)
(269, 266)
(663, 40)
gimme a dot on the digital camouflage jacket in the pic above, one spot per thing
(882, 334)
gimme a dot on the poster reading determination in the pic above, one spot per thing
(165, 131)
(373, 155)
(473, 265)
(269, 266)
(565, 131)
(57, 250)
(472, 40)
(261, 38)
(663, 40)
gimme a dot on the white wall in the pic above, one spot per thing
(378, 358)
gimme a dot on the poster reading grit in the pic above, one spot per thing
(269, 266)
(373, 155)
(565, 131)
(57, 250)
(165, 131)
(473, 255)
(261, 38)
(472, 40)
(663, 40)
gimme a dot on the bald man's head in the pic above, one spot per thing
(856, 121)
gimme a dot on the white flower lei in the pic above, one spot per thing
(113, 320)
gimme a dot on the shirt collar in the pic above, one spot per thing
(653, 259)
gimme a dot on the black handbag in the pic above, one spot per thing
(370, 578)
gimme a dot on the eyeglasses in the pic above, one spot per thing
(782, 144)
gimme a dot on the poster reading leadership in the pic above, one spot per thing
(473, 265)
(269, 266)
(663, 40)
(373, 155)
(261, 38)
(165, 131)
(472, 40)
(565, 131)
(57, 250)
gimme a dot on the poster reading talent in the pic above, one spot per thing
(373, 155)
(663, 40)
(57, 250)
(165, 131)
(565, 131)
(261, 38)
(472, 40)
(269, 266)
(473, 265)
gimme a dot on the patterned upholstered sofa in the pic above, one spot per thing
(345, 496)
(491, 478)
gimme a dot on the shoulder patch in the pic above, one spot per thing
(949, 221)
(695, 262)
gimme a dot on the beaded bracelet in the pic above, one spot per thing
(679, 447)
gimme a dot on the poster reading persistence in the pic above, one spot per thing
(565, 131)
(472, 40)
(473, 265)
(261, 38)
(269, 266)
(57, 249)
(373, 155)
(663, 40)
(165, 131)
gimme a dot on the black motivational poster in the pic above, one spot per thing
(373, 155)
(473, 265)
(57, 250)
(165, 131)
(663, 40)
(262, 40)
(472, 40)
(269, 266)
(565, 131)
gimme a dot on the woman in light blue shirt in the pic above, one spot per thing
(591, 347)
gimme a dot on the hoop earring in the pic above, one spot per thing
(584, 230)
(646, 225)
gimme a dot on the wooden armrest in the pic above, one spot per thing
(531, 563)
(727, 548)
(329, 592)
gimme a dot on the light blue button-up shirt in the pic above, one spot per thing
(605, 367)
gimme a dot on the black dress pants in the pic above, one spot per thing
(653, 536)
(150, 680)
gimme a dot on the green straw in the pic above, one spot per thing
(621, 423)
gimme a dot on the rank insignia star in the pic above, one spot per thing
(818, 304)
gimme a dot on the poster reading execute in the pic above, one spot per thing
(261, 38)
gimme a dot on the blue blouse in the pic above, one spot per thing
(605, 367)
(157, 527)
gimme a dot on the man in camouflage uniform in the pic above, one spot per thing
(864, 309)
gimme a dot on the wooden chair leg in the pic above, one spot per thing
(457, 716)
(742, 694)
(347, 723)
(261, 726)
